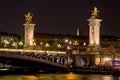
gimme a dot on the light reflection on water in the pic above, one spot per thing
(69, 76)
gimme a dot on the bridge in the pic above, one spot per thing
(34, 59)
(37, 60)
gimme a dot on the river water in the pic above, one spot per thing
(51, 76)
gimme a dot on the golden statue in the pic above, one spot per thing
(94, 13)
(28, 18)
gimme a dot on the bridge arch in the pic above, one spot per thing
(30, 60)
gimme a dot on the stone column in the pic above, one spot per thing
(94, 37)
(94, 32)
(28, 35)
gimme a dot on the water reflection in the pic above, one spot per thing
(70, 76)
(108, 77)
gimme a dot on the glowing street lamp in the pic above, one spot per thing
(66, 40)
(6, 43)
(68, 48)
(47, 45)
(84, 44)
(14, 44)
(20, 43)
(59, 46)
(41, 43)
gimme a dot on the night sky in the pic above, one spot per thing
(59, 16)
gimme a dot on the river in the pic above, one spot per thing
(51, 76)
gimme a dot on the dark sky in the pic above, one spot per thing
(59, 16)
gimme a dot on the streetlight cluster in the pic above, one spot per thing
(55, 45)
(11, 44)
(58, 44)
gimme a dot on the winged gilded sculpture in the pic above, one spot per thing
(94, 13)
(28, 18)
